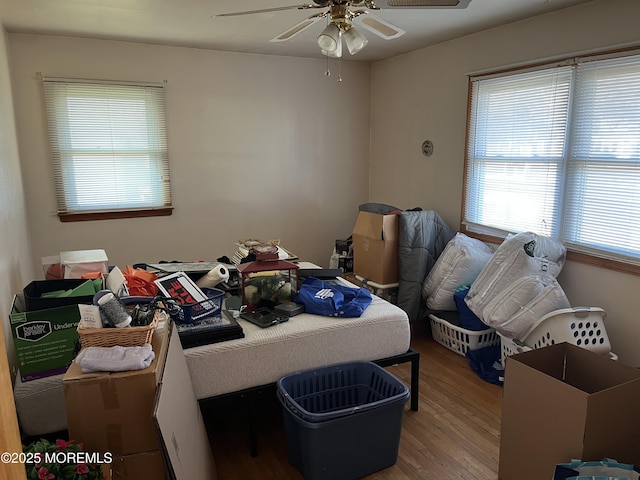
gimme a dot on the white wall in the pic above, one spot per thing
(423, 95)
(260, 147)
(15, 256)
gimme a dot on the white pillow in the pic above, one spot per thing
(518, 256)
(521, 304)
(459, 264)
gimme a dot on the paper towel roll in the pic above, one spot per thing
(213, 277)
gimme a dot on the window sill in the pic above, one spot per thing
(84, 217)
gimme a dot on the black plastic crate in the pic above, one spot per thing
(33, 294)
(342, 421)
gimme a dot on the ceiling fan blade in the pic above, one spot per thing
(297, 28)
(380, 27)
(422, 3)
(268, 10)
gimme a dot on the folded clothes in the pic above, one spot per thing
(115, 359)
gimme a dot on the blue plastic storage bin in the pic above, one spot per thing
(192, 312)
(342, 421)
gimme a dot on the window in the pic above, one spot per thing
(556, 150)
(109, 151)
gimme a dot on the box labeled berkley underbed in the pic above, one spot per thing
(44, 340)
(342, 421)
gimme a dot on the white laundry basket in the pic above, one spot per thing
(509, 346)
(581, 326)
(458, 339)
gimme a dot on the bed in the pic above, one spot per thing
(249, 366)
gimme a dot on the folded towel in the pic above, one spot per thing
(115, 359)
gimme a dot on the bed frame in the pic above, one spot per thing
(250, 397)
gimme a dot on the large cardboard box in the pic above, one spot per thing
(375, 247)
(564, 402)
(113, 411)
(178, 418)
(44, 340)
(149, 420)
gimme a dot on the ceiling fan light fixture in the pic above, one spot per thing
(329, 39)
(337, 53)
(354, 39)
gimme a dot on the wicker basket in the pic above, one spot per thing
(124, 337)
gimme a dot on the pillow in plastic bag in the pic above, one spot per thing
(518, 256)
(519, 306)
(459, 264)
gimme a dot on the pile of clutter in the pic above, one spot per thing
(514, 292)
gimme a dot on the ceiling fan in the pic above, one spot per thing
(341, 16)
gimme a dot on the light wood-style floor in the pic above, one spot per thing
(454, 434)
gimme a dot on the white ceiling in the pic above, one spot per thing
(193, 23)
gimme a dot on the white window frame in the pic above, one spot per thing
(596, 139)
(108, 148)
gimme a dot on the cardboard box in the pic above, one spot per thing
(564, 402)
(178, 418)
(375, 247)
(44, 340)
(148, 419)
(77, 263)
(113, 412)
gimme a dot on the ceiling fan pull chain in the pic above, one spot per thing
(327, 72)
(339, 70)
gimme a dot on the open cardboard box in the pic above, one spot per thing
(564, 402)
(375, 247)
(149, 419)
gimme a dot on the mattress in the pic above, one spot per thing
(304, 342)
(40, 405)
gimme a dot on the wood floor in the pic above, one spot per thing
(454, 434)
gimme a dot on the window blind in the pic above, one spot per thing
(603, 189)
(556, 151)
(515, 151)
(108, 146)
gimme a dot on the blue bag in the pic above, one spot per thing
(607, 469)
(468, 319)
(332, 300)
